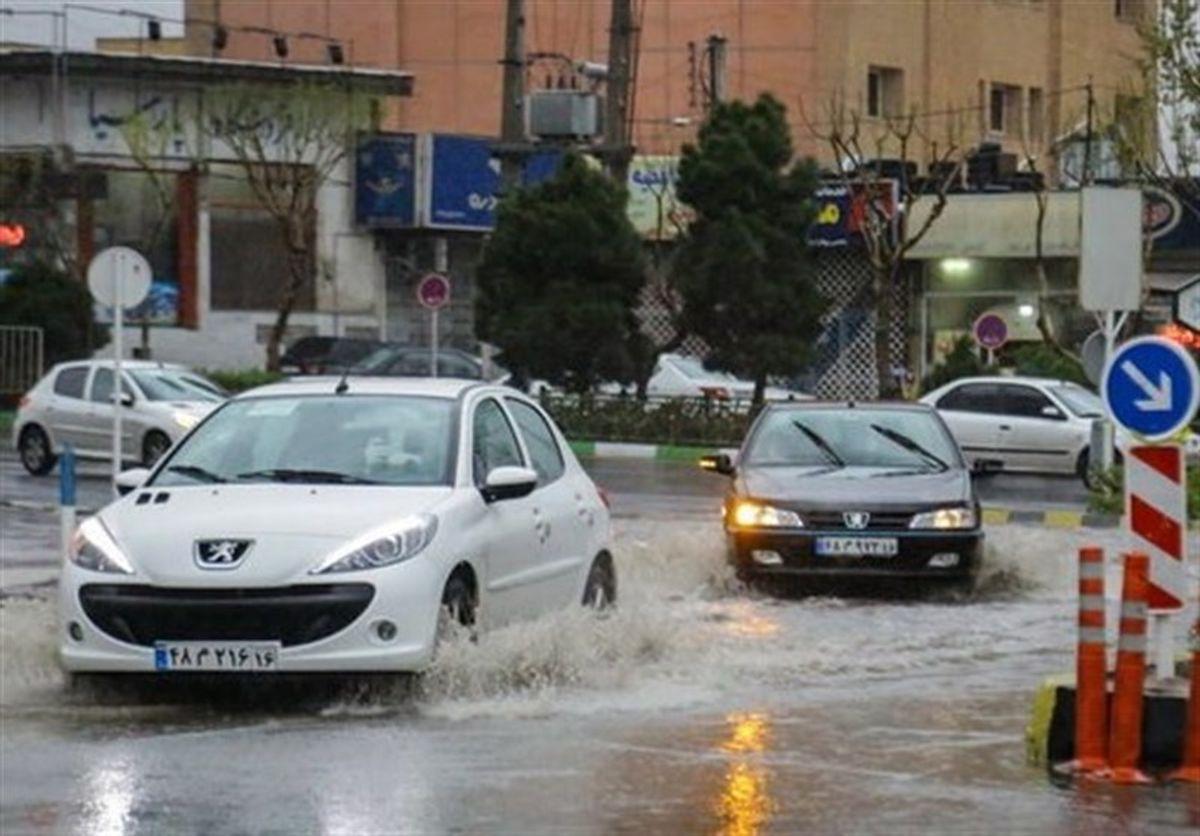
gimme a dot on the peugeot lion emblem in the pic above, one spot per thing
(856, 519)
(221, 554)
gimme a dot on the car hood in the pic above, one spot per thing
(858, 487)
(293, 527)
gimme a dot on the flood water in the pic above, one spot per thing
(695, 707)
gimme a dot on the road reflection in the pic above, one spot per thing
(111, 790)
(745, 804)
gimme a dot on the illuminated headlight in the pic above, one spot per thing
(383, 548)
(92, 547)
(748, 514)
(945, 518)
(186, 420)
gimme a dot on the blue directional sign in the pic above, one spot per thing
(1151, 387)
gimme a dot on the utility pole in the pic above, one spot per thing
(620, 71)
(1087, 141)
(513, 141)
(716, 70)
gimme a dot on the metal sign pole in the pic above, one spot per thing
(433, 343)
(118, 332)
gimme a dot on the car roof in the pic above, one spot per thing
(874, 406)
(126, 365)
(430, 387)
(999, 378)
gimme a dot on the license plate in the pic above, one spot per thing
(234, 657)
(857, 546)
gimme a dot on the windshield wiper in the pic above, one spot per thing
(821, 444)
(907, 443)
(283, 474)
(197, 473)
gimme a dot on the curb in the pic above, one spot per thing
(1067, 520)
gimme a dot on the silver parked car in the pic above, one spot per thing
(73, 405)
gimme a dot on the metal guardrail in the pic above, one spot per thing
(22, 355)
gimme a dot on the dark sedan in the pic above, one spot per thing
(840, 490)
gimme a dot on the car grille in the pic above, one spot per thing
(879, 521)
(291, 615)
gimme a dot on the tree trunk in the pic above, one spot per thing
(885, 283)
(298, 268)
(760, 388)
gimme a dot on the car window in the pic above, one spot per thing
(1082, 402)
(102, 385)
(494, 444)
(69, 382)
(172, 385)
(1021, 401)
(970, 397)
(539, 441)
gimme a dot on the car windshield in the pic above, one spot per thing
(326, 439)
(837, 438)
(1080, 401)
(175, 385)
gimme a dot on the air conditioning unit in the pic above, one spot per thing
(564, 114)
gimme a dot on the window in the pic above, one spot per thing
(69, 382)
(494, 444)
(1022, 402)
(996, 110)
(1127, 10)
(971, 397)
(1037, 115)
(539, 440)
(885, 91)
(102, 383)
(1004, 109)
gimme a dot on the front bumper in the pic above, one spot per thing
(324, 631)
(797, 555)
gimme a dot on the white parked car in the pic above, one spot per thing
(1021, 423)
(73, 405)
(681, 376)
(316, 525)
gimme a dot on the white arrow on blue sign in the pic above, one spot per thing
(1151, 387)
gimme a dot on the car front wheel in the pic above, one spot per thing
(34, 448)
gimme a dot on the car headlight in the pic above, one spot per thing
(945, 518)
(748, 514)
(186, 420)
(92, 547)
(378, 548)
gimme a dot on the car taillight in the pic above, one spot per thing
(24, 402)
(718, 393)
(604, 497)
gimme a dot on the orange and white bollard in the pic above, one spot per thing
(1091, 667)
(1125, 744)
(1189, 770)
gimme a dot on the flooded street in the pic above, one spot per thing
(695, 707)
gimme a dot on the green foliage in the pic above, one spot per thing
(743, 273)
(1107, 492)
(1041, 360)
(679, 421)
(38, 294)
(234, 381)
(559, 281)
(961, 361)
(7, 417)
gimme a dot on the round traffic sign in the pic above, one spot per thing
(433, 291)
(119, 272)
(1151, 387)
(990, 331)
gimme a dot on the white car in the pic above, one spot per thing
(327, 525)
(1021, 423)
(681, 376)
(72, 404)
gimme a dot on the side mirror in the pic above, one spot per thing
(126, 399)
(719, 463)
(1052, 412)
(508, 483)
(130, 480)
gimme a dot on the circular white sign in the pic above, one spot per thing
(119, 271)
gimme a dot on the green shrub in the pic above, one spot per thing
(1041, 360)
(40, 295)
(961, 361)
(241, 380)
(678, 421)
(1107, 493)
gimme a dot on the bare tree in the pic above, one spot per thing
(887, 202)
(289, 141)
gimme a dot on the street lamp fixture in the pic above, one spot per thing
(956, 266)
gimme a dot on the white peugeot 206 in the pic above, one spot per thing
(326, 525)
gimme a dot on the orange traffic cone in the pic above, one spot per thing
(1091, 687)
(1189, 770)
(1125, 745)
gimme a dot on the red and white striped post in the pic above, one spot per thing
(1125, 744)
(1091, 687)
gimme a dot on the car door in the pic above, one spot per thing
(969, 411)
(562, 505)
(98, 422)
(513, 528)
(67, 410)
(1034, 432)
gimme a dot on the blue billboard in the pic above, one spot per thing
(385, 176)
(464, 179)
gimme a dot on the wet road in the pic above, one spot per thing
(695, 707)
